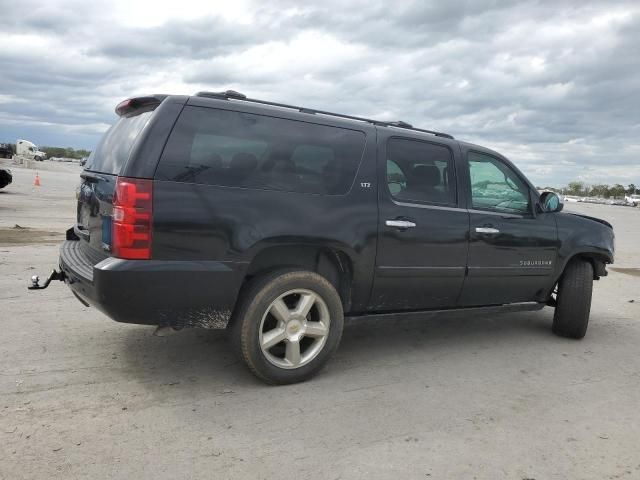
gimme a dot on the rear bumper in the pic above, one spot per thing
(154, 292)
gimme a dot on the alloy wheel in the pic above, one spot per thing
(294, 328)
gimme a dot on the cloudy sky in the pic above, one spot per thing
(553, 85)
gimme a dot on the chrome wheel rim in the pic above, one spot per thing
(294, 329)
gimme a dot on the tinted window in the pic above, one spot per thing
(495, 186)
(396, 180)
(220, 147)
(113, 150)
(420, 172)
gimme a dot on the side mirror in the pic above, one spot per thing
(550, 202)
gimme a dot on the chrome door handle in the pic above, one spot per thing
(487, 230)
(399, 223)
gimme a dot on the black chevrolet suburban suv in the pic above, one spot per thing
(277, 222)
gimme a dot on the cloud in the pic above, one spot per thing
(555, 87)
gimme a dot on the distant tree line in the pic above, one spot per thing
(65, 152)
(580, 189)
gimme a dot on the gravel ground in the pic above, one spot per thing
(462, 397)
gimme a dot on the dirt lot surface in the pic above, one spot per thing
(464, 397)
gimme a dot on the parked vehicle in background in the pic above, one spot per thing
(5, 177)
(30, 150)
(633, 199)
(6, 150)
(277, 222)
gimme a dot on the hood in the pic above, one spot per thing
(599, 220)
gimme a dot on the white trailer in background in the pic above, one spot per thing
(27, 149)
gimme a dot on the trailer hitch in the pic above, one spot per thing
(35, 280)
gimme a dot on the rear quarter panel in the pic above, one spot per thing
(230, 224)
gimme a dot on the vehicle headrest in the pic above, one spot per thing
(425, 175)
(213, 160)
(283, 166)
(244, 162)
(277, 158)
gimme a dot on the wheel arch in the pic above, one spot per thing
(329, 261)
(596, 258)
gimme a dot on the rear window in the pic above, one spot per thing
(235, 149)
(113, 150)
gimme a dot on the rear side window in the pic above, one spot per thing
(420, 172)
(113, 150)
(220, 147)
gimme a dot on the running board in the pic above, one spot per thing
(494, 309)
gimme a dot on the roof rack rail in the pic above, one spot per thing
(233, 95)
(401, 124)
(223, 95)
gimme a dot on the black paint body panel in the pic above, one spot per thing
(516, 265)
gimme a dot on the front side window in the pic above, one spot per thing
(420, 172)
(495, 186)
(235, 149)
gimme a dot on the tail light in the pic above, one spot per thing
(132, 219)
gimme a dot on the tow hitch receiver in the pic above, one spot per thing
(35, 280)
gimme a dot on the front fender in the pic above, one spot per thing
(585, 237)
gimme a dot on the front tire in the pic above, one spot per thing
(571, 317)
(287, 325)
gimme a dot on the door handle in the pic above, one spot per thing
(487, 230)
(399, 223)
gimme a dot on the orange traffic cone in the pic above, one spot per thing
(36, 181)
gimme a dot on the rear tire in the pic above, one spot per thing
(286, 326)
(571, 317)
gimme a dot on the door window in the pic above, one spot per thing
(495, 186)
(420, 172)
